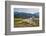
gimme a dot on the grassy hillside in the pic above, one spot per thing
(26, 19)
(20, 22)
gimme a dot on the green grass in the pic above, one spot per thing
(20, 22)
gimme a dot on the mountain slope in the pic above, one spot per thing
(25, 15)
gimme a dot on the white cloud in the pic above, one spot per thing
(26, 10)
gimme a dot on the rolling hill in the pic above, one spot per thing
(25, 15)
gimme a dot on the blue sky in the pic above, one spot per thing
(26, 10)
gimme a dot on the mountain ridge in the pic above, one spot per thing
(25, 15)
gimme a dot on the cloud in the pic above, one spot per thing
(26, 10)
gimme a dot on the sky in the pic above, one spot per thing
(26, 10)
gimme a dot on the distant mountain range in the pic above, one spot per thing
(26, 15)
